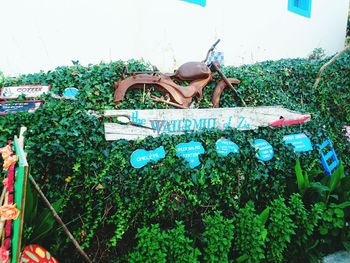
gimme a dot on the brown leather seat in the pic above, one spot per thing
(192, 71)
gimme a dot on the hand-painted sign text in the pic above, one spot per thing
(190, 152)
(300, 142)
(30, 91)
(179, 121)
(264, 150)
(224, 147)
(17, 106)
(141, 157)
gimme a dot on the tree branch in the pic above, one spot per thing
(318, 79)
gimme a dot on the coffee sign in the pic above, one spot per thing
(29, 91)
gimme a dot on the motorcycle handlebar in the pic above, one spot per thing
(217, 42)
(211, 49)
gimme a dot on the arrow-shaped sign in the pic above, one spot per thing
(154, 122)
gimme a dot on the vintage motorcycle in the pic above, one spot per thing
(198, 74)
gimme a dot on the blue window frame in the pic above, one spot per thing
(198, 2)
(301, 7)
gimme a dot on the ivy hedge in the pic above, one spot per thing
(234, 208)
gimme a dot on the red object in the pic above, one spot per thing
(36, 254)
(283, 122)
(4, 255)
(10, 189)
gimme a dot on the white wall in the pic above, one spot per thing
(43, 34)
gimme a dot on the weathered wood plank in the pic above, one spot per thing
(179, 121)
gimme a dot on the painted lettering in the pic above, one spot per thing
(157, 125)
(228, 124)
(187, 125)
(243, 124)
(214, 123)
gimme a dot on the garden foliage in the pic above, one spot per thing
(234, 207)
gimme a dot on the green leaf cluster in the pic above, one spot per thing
(250, 234)
(279, 231)
(217, 237)
(171, 245)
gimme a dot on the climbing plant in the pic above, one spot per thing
(108, 204)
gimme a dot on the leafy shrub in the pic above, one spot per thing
(150, 246)
(217, 237)
(172, 245)
(333, 219)
(180, 248)
(279, 230)
(306, 223)
(250, 234)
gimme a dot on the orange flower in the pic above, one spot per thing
(9, 212)
(6, 152)
(9, 161)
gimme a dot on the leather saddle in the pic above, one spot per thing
(191, 71)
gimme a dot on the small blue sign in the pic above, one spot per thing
(190, 152)
(224, 147)
(300, 142)
(70, 92)
(141, 157)
(265, 150)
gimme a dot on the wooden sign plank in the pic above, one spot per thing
(145, 123)
(7, 107)
(30, 91)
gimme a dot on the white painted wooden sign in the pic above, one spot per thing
(30, 91)
(143, 123)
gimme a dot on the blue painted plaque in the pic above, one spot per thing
(71, 92)
(190, 152)
(141, 157)
(224, 147)
(264, 150)
(300, 142)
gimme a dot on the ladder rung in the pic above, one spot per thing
(328, 155)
